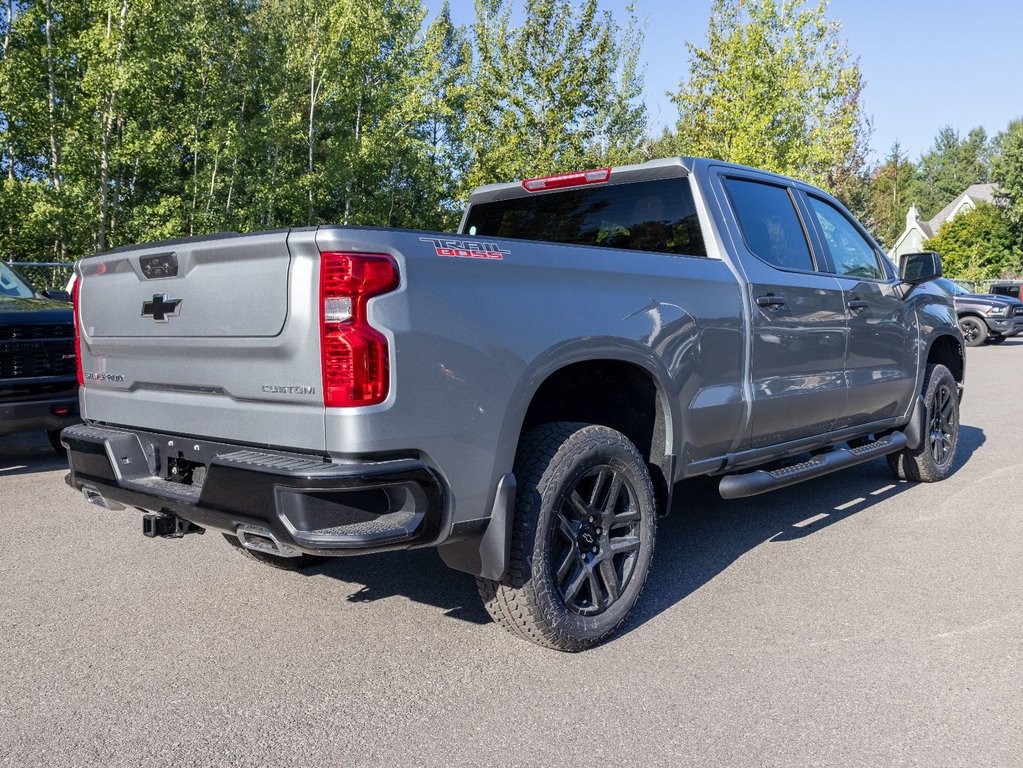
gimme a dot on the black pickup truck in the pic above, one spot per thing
(985, 318)
(38, 382)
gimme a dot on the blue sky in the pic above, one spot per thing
(926, 64)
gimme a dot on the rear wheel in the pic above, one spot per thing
(974, 331)
(932, 460)
(583, 537)
(276, 561)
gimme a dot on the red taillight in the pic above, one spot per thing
(596, 176)
(353, 353)
(78, 336)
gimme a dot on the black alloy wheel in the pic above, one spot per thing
(974, 331)
(596, 541)
(944, 426)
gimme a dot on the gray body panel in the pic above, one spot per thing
(471, 340)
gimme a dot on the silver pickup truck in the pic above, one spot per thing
(524, 394)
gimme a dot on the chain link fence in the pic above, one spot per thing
(44, 274)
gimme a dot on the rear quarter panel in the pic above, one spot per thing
(472, 340)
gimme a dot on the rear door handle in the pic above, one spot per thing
(770, 300)
(858, 305)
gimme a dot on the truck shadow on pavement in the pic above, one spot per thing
(703, 536)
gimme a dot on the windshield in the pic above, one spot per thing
(951, 287)
(12, 285)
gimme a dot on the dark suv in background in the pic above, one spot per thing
(985, 318)
(38, 379)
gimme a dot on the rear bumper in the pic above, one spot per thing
(307, 503)
(54, 413)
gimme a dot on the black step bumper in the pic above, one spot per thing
(306, 502)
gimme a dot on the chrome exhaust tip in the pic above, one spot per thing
(262, 540)
(94, 497)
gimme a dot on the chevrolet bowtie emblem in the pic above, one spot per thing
(161, 307)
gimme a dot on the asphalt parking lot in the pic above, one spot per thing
(848, 621)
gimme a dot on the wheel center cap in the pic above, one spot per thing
(588, 538)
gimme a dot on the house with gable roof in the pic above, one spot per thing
(917, 230)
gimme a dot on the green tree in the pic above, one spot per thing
(978, 245)
(559, 92)
(775, 87)
(131, 120)
(892, 188)
(445, 87)
(1007, 172)
(949, 167)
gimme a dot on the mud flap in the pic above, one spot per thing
(486, 555)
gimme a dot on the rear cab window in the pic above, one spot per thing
(770, 225)
(654, 215)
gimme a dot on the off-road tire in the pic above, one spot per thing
(929, 462)
(556, 465)
(974, 331)
(276, 561)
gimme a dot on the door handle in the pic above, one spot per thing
(770, 300)
(858, 305)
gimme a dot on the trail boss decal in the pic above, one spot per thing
(467, 249)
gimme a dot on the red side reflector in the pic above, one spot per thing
(577, 179)
(353, 354)
(78, 337)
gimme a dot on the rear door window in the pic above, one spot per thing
(769, 223)
(657, 215)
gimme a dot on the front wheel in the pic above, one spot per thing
(583, 537)
(932, 460)
(974, 331)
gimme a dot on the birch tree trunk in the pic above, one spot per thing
(107, 125)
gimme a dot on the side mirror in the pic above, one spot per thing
(916, 268)
(56, 294)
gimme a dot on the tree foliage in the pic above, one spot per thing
(1008, 173)
(977, 245)
(893, 187)
(130, 120)
(951, 165)
(561, 91)
(776, 88)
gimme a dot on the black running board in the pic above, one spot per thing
(761, 481)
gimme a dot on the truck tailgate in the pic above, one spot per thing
(207, 337)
